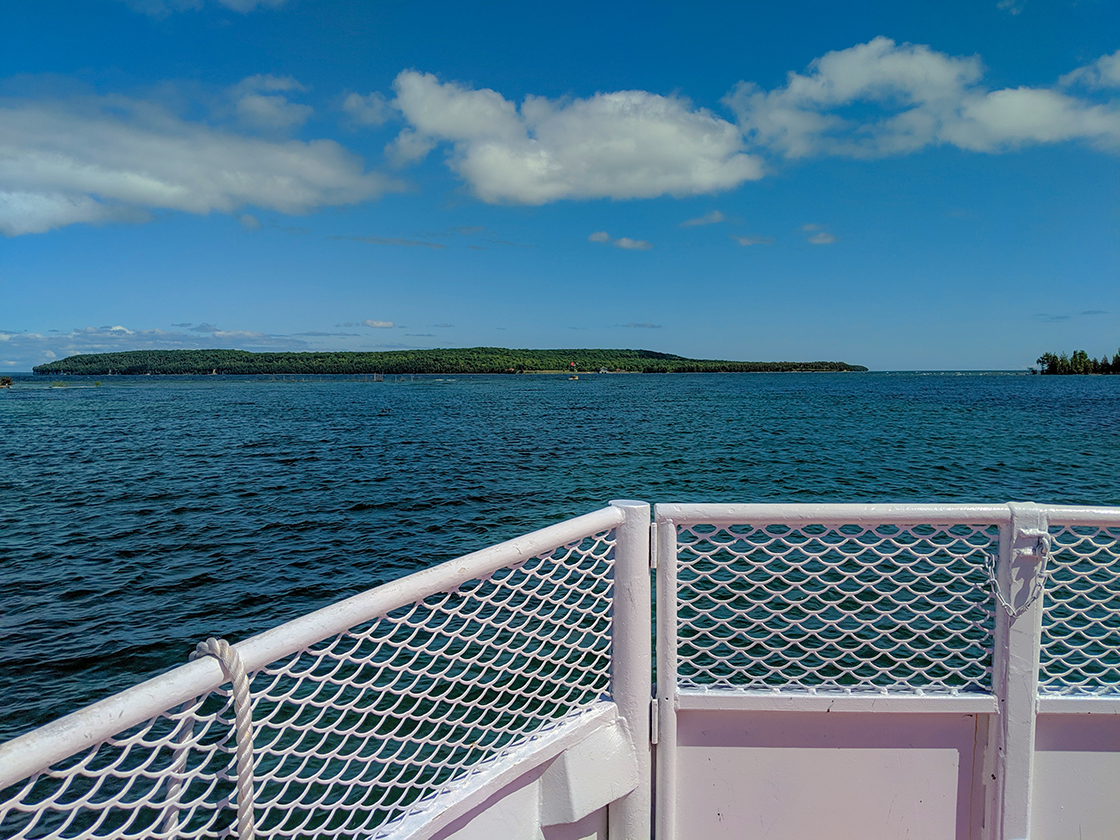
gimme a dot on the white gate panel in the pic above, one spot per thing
(793, 775)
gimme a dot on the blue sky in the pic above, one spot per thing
(900, 185)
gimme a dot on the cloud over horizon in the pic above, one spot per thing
(99, 159)
(623, 242)
(113, 158)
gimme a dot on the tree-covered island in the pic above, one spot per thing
(458, 361)
(1079, 362)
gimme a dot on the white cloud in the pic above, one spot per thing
(715, 217)
(260, 102)
(1102, 73)
(377, 325)
(162, 8)
(1013, 7)
(909, 97)
(747, 241)
(115, 159)
(818, 235)
(628, 144)
(408, 147)
(371, 109)
(28, 349)
(392, 240)
(249, 222)
(624, 242)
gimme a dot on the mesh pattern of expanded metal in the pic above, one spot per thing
(169, 777)
(360, 728)
(1081, 613)
(837, 607)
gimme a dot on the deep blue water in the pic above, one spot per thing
(144, 514)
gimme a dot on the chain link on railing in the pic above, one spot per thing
(852, 607)
(360, 728)
(1081, 613)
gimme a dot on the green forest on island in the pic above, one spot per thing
(459, 361)
(1079, 362)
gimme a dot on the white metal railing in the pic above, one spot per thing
(940, 609)
(388, 714)
(364, 712)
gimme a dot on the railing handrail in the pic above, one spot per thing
(37, 750)
(800, 513)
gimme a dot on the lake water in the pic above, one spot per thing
(144, 514)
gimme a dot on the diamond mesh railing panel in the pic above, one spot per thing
(1080, 652)
(359, 729)
(835, 607)
(355, 731)
(169, 777)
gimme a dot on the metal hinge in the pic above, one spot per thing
(654, 721)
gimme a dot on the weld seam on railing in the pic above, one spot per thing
(37, 750)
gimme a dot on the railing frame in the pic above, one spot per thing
(1012, 707)
(36, 751)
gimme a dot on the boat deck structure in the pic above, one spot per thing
(939, 671)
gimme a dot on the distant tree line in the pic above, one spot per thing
(1079, 362)
(460, 361)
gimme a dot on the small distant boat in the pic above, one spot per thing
(570, 378)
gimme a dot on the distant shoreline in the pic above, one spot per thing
(486, 360)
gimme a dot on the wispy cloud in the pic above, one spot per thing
(910, 97)
(747, 241)
(97, 160)
(1102, 73)
(713, 218)
(818, 235)
(1013, 7)
(624, 242)
(378, 325)
(1050, 317)
(23, 350)
(372, 109)
(163, 8)
(390, 240)
(644, 326)
(262, 101)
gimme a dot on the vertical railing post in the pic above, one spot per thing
(666, 807)
(1018, 581)
(632, 664)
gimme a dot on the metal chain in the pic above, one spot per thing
(234, 669)
(1042, 549)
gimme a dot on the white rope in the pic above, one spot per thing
(234, 669)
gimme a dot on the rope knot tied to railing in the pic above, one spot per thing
(234, 669)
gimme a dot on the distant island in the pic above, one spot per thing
(459, 361)
(1079, 362)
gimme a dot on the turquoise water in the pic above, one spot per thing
(142, 515)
